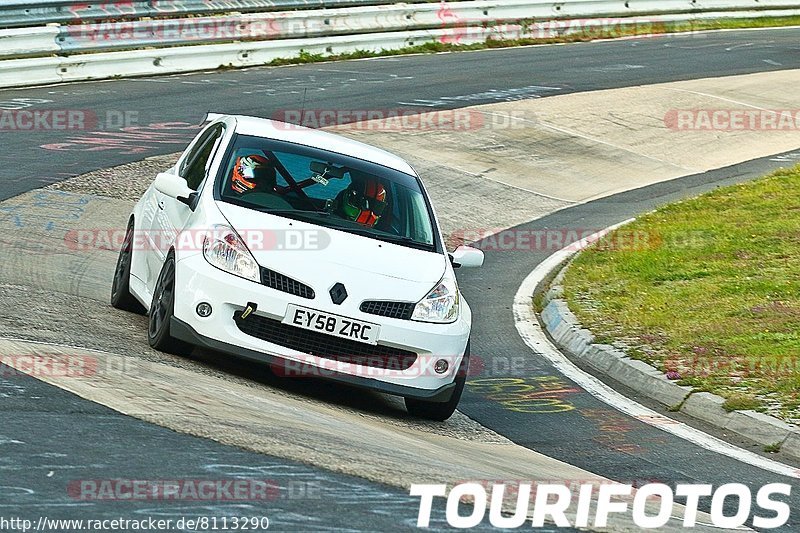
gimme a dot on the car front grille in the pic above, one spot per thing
(282, 283)
(325, 346)
(401, 310)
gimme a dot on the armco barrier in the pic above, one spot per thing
(16, 13)
(29, 41)
(297, 24)
(86, 50)
(115, 34)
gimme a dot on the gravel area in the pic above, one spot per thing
(124, 182)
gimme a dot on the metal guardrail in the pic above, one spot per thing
(29, 41)
(17, 13)
(158, 46)
(296, 24)
(113, 34)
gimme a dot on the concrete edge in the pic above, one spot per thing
(572, 339)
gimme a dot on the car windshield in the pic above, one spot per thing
(327, 189)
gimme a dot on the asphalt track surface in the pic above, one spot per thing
(438, 81)
(575, 428)
(52, 440)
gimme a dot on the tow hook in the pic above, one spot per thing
(249, 310)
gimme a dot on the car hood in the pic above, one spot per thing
(321, 257)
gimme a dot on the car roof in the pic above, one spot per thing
(282, 131)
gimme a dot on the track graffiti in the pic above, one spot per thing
(16, 104)
(127, 141)
(537, 395)
(46, 211)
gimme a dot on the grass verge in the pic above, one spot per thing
(707, 288)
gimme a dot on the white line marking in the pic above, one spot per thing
(612, 145)
(540, 194)
(494, 180)
(708, 95)
(737, 46)
(416, 104)
(532, 334)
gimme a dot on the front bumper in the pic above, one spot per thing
(228, 294)
(181, 330)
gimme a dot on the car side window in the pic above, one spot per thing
(195, 166)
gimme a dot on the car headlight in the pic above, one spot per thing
(224, 249)
(441, 304)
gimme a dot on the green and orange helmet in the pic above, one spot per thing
(364, 201)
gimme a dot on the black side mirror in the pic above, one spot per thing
(191, 201)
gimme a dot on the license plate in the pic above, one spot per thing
(338, 326)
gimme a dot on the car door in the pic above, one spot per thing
(171, 215)
(144, 253)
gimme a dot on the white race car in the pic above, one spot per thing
(319, 255)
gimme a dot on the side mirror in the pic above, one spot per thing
(467, 257)
(174, 187)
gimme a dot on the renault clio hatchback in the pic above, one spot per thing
(316, 254)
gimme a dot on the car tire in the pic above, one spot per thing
(121, 296)
(162, 310)
(441, 411)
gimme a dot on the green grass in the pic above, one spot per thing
(708, 288)
(742, 402)
(773, 448)
(642, 27)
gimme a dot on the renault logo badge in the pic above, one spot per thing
(338, 294)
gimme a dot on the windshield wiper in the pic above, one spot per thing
(294, 212)
(297, 214)
(398, 239)
(394, 239)
(385, 237)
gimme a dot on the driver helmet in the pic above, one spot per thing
(364, 201)
(253, 172)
